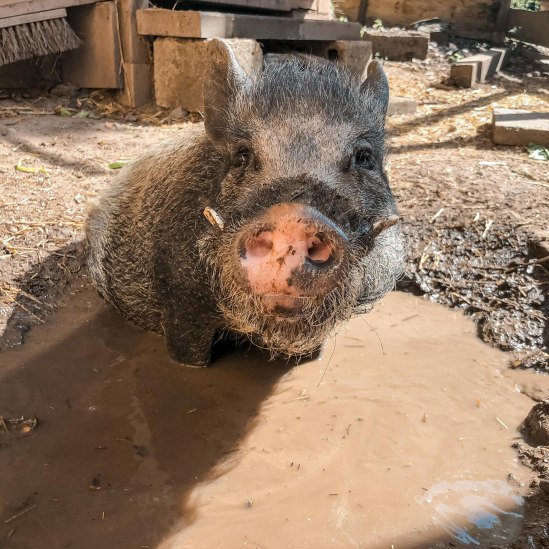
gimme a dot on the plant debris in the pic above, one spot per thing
(18, 425)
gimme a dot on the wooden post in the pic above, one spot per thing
(362, 9)
(502, 22)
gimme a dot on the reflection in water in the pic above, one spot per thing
(476, 511)
(367, 446)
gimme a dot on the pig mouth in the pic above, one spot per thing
(285, 307)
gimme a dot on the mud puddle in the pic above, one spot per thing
(397, 436)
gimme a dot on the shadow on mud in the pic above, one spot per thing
(124, 434)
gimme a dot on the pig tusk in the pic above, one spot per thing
(383, 224)
(214, 218)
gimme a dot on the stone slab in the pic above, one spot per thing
(398, 46)
(201, 24)
(520, 127)
(180, 66)
(401, 105)
(97, 62)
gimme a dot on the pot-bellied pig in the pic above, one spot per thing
(273, 219)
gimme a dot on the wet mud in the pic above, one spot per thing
(494, 273)
(399, 434)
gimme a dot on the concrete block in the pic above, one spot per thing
(520, 127)
(503, 57)
(95, 64)
(180, 66)
(487, 63)
(464, 75)
(401, 105)
(138, 85)
(398, 45)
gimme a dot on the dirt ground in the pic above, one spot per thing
(475, 215)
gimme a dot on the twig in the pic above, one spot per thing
(17, 515)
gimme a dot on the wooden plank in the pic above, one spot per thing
(471, 14)
(32, 17)
(158, 22)
(329, 30)
(11, 8)
(196, 24)
(532, 26)
(135, 48)
(97, 63)
(272, 5)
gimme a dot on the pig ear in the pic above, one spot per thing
(224, 78)
(376, 85)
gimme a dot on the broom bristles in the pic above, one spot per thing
(36, 39)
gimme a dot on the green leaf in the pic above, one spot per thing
(537, 152)
(117, 164)
(62, 111)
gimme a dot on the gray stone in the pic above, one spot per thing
(519, 128)
(401, 105)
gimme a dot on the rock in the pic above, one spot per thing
(536, 425)
(544, 485)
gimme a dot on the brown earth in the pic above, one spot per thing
(475, 214)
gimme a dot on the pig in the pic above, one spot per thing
(272, 220)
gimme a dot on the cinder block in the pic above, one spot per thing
(95, 64)
(520, 127)
(401, 105)
(180, 66)
(464, 75)
(138, 85)
(398, 46)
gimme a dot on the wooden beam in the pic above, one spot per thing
(362, 9)
(271, 5)
(199, 24)
(11, 8)
(32, 17)
(502, 22)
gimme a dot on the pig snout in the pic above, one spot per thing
(291, 252)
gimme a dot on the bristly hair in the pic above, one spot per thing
(302, 88)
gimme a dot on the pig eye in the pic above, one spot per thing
(363, 158)
(242, 157)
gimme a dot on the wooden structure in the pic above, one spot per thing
(469, 16)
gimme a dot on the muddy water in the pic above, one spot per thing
(398, 435)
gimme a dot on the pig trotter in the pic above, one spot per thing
(188, 344)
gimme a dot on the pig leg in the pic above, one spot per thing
(188, 343)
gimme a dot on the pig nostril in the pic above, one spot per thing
(260, 245)
(319, 252)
